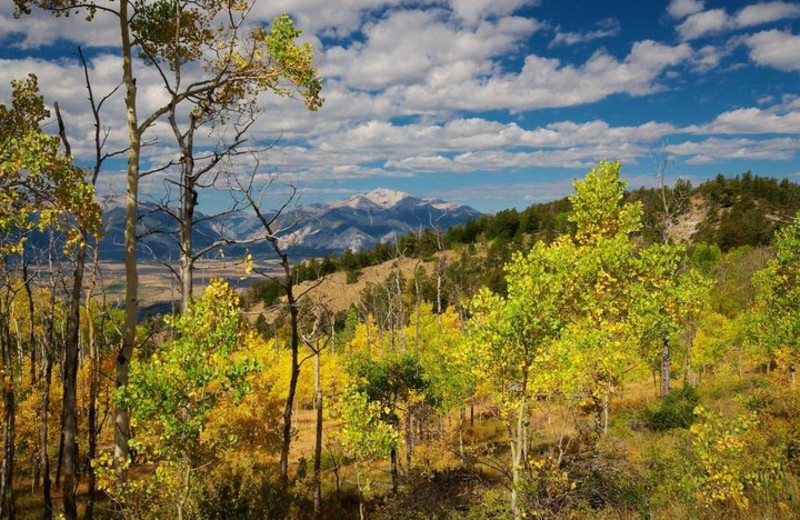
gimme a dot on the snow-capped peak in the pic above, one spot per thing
(386, 198)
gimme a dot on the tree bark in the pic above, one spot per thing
(121, 413)
(516, 458)
(409, 431)
(393, 457)
(94, 390)
(293, 377)
(288, 286)
(186, 263)
(7, 474)
(69, 426)
(69, 415)
(318, 438)
(32, 330)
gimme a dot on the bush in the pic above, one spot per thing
(237, 498)
(674, 411)
(353, 276)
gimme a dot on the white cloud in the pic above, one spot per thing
(42, 28)
(775, 49)
(713, 21)
(605, 29)
(683, 8)
(753, 121)
(703, 23)
(502, 160)
(410, 47)
(758, 14)
(497, 195)
(709, 57)
(472, 12)
(714, 149)
(547, 83)
(342, 18)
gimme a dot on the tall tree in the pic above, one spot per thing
(272, 229)
(599, 337)
(512, 338)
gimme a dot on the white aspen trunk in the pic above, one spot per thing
(122, 414)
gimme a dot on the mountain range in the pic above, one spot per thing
(314, 230)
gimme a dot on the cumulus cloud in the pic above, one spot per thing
(343, 18)
(714, 149)
(758, 14)
(409, 47)
(775, 48)
(548, 83)
(753, 121)
(709, 57)
(704, 23)
(683, 8)
(474, 11)
(41, 28)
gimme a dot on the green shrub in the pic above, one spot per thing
(674, 411)
(353, 276)
(237, 498)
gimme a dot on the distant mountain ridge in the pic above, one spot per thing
(315, 230)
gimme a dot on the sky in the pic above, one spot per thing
(490, 103)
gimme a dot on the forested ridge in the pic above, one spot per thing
(726, 212)
(614, 354)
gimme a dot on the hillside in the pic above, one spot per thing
(744, 210)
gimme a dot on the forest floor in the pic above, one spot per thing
(441, 484)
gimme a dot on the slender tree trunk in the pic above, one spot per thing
(36, 469)
(7, 503)
(188, 202)
(606, 403)
(393, 458)
(47, 379)
(60, 456)
(94, 390)
(471, 413)
(688, 377)
(9, 434)
(32, 329)
(409, 431)
(462, 419)
(665, 368)
(288, 286)
(9, 409)
(360, 494)
(121, 413)
(186, 264)
(318, 438)
(516, 458)
(293, 377)
(69, 426)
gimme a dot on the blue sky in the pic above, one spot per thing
(492, 103)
